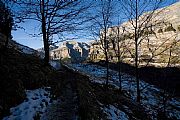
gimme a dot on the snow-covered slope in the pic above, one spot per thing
(23, 48)
(114, 113)
(55, 64)
(34, 105)
(152, 97)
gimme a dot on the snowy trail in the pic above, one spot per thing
(151, 96)
(66, 106)
(39, 104)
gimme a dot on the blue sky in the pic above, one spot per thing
(32, 27)
(23, 36)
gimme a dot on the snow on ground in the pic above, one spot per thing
(25, 49)
(55, 64)
(36, 102)
(22, 48)
(151, 96)
(114, 113)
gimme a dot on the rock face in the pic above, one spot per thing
(75, 51)
(41, 51)
(159, 40)
(96, 52)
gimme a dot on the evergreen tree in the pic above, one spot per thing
(6, 21)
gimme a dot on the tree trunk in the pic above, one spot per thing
(8, 30)
(6, 42)
(8, 36)
(136, 54)
(107, 70)
(119, 64)
(136, 69)
(45, 36)
(107, 60)
(119, 70)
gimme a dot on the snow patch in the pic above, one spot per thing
(114, 113)
(26, 50)
(36, 102)
(55, 64)
(151, 95)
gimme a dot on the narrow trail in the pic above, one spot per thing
(66, 107)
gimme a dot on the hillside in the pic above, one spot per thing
(18, 72)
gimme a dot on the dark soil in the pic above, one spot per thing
(64, 88)
(72, 92)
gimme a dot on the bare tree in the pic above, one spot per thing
(140, 15)
(55, 17)
(116, 38)
(102, 20)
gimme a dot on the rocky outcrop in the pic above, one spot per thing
(72, 50)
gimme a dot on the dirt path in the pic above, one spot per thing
(66, 107)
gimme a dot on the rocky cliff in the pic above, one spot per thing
(159, 37)
(75, 51)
